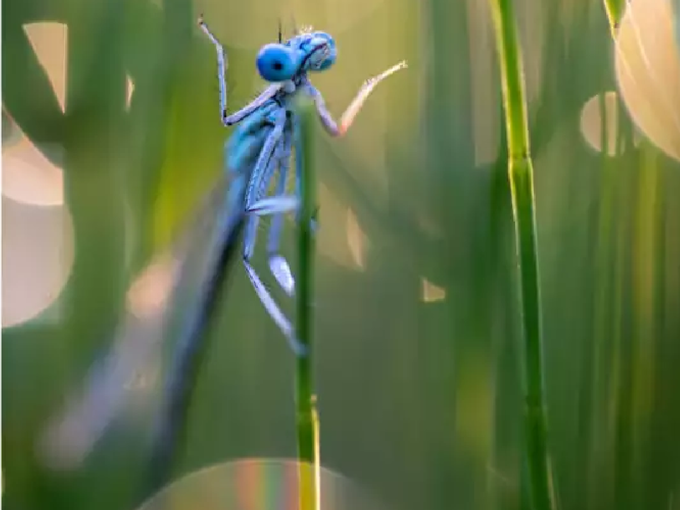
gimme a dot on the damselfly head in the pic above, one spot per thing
(311, 51)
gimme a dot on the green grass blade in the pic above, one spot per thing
(520, 171)
(307, 417)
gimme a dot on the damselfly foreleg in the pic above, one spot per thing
(222, 64)
(355, 106)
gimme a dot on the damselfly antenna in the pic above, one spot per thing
(280, 32)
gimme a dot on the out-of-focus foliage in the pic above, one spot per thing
(676, 13)
(417, 328)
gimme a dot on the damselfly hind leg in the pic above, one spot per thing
(278, 206)
(277, 263)
(261, 174)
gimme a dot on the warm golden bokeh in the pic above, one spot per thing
(591, 122)
(356, 240)
(431, 292)
(49, 44)
(151, 289)
(259, 484)
(29, 177)
(648, 71)
(37, 256)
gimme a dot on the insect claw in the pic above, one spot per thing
(275, 312)
(274, 205)
(282, 273)
(298, 348)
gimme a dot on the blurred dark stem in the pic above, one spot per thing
(622, 363)
(520, 171)
(192, 347)
(191, 351)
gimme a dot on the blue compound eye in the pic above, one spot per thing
(276, 62)
(329, 57)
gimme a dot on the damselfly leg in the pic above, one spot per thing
(260, 134)
(277, 263)
(222, 64)
(275, 152)
(347, 118)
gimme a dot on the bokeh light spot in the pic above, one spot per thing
(333, 243)
(150, 291)
(431, 292)
(38, 250)
(130, 89)
(356, 240)
(48, 40)
(28, 176)
(591, 122)
(258, 484)
(648, 72)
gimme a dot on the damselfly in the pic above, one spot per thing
(258, 152)
(264, 142)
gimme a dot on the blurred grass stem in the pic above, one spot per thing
(306, 412)
(520, 172)
(193, 346)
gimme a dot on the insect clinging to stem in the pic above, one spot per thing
(265, 137)
(261, 144)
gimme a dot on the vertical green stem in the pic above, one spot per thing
(520, 172)
(307, 416)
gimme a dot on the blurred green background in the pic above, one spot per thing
(112, 139)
